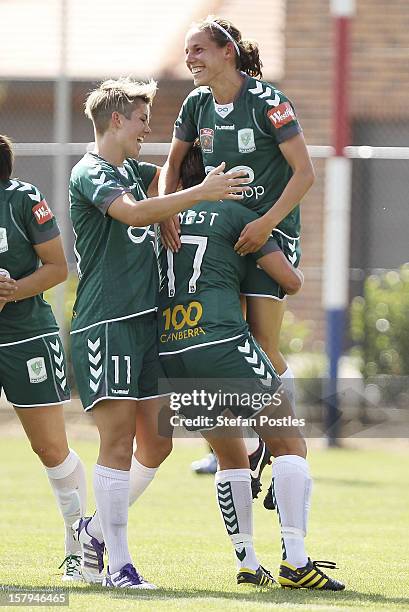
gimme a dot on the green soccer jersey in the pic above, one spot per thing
(25, 220)
(117, 266)
(199, 300)
(246, 134)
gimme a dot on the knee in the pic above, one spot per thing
(49, 454)
(267, 343)
(289, 446)
(153, 453)
(118, 448)
(163, 448)
(294, 282)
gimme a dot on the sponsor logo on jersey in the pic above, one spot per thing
(255, 191)
(206, 140)
(246, 141)
(225, 127)
(138, 234)
(120, 391)
(42, 213)
(223, 109)
(179, 319)
(36, 370)
(4, 246)
(281, 115)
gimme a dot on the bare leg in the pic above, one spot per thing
(45, 429)
(265, 317)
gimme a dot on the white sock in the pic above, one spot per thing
(252, 444)
(233, 490)
(69, 486)
(139, 479)
(111, 488)
(292, 486)
(287, 378)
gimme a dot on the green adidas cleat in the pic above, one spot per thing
(308, 577)
(259, 577)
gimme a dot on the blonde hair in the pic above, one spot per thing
(120, 95)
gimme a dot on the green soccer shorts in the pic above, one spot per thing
(238, 372)
(257, 283)
(33, 372)
(117, 360)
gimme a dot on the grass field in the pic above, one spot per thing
(360, 518)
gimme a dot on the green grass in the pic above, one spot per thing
(359, 518)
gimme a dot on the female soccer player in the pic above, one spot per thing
(252, 125)
(203, 336)
(32, 361)
(114, 339)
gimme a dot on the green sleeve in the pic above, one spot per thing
(279, 121)
(37, 218)
(185, 126)
(100, 185)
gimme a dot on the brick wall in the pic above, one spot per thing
(379, 89)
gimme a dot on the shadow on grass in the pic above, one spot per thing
(248, 594)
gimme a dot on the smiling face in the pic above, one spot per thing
(132, 131)
(207, 62)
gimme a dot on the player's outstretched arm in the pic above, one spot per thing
(53, 271)
(168, 183)
(279, 268)
(216, 186)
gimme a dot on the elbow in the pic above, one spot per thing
(62, 273)
(294, 283)
(310, 176)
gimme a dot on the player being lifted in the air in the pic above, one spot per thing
(250, 124)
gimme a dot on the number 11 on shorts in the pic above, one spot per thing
(116, 360)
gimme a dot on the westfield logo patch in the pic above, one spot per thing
(42, 213)
(281, 115)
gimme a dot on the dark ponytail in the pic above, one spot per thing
(6, 158)
(249, 59)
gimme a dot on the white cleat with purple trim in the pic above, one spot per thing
(92, 552)
(126, 578)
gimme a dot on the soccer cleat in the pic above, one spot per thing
(72, 571)
(259, 577)
(207, 465)
(258, 461)
(309, 576)
(268, 500)
(126, 578)
(92, 552)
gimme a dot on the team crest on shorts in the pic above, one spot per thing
(3, 240)
(37, 370)
(246, 140)
(206, 140)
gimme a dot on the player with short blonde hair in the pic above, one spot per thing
(114, 340)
